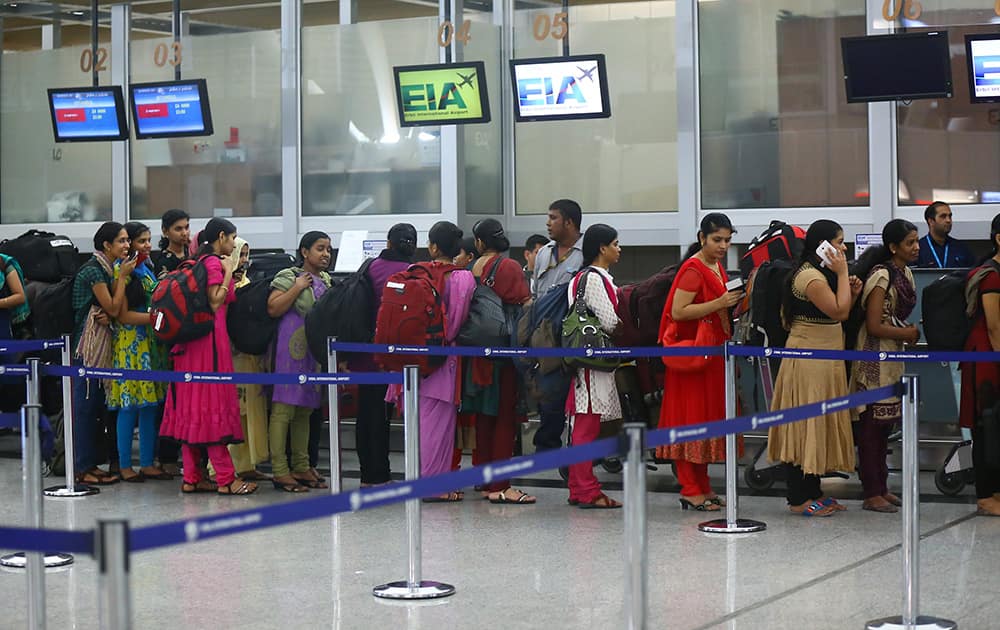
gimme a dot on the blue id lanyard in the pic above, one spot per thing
(930, 244)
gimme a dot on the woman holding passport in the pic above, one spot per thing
(697, 313)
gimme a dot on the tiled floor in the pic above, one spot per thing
(545, 566)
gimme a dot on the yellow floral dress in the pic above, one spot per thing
(136, 348)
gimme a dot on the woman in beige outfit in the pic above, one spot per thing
(818, 297)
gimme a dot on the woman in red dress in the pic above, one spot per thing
(698, 297)
(981, 382)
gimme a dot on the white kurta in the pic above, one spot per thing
(595, 391)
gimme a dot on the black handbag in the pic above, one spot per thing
(488, 323)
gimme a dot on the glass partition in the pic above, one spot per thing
(483, 142)
(949, 148)
(236, 171)
(42, 181)
(355, 157)
(776, 129)
(625, 163)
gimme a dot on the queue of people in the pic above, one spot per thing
(226, 431)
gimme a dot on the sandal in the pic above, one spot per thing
(253, 475)
(815, 508)
(717, 500)
(293, 487)
(893, 499)
(318, 477)
(830, 502)
(501, 498)
(159, 475)
(202, 487)
(451, 497)
(135, 477)
(884, 508)
(707, 506)
(602, 502)
(91, 478)
(315, 484)
(245, 487)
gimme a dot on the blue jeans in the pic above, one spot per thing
(88, 401)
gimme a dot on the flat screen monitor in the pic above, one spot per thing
(442, 94)
(90, 114)
(897, 67)
(171, 109)
(560, 88)
(982, 54)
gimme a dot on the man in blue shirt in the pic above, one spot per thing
(938, 249)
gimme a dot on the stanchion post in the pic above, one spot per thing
(71, 489)
(336, 479)
(635, 527)
(414, 587)
(911, 619)
(31, 481)
(114, 595)
(732, 524)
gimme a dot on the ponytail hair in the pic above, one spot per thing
(597, 236)
(212, 232)
(894, 233)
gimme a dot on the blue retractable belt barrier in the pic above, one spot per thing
(238, 378)
(29, 345)
(859, 355)
(470, 351)
(47, 540)
(14, 370)
(192, 530)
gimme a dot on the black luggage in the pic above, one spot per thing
(43, 256)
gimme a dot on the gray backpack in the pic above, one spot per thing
(490, 321)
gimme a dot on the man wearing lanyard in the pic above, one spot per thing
(938, 249)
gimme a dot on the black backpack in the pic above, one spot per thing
(268, 264)
(947, 317)
(44, 256)
(251, 329)
(53, 302)
(490, 321)
(345, 311)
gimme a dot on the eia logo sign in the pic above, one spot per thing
(560, 88)
(441, 94)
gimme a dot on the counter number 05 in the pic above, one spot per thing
(556, 27)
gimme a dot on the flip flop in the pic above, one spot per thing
(160, 476)
(197, 488)
(502, 499)
(91, 479)
(446, 499)
(814, 509)
(602, 502)
(244, 489)
(136, 478)
(884, 509)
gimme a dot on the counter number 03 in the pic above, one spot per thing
(447, 32)
(163, 55)
(556, 27)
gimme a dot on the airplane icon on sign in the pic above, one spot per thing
(466, 80)
(587, 74)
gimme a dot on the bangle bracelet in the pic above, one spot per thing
(224, 287)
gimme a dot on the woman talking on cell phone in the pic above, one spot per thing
(818, 297)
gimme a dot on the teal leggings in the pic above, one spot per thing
(147, 435)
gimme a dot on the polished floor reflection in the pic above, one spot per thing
(545, 566)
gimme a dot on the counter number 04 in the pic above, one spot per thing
(556, 27)
(447, 32)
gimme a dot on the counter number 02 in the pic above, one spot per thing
(447, 33)
(90, 62)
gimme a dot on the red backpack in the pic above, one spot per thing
(179, 310)
(640, 307)
(413, 314)
(779, 241)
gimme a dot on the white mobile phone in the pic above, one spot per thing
(826, 252)
(735, 284)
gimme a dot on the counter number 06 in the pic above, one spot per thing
(556, 26)
(894, 9)
(447, 32)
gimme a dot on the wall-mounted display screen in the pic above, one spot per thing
(897, 67)
(171, 109)
(982, 53)
(442, 94)
(89, 114)
(560, 88)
